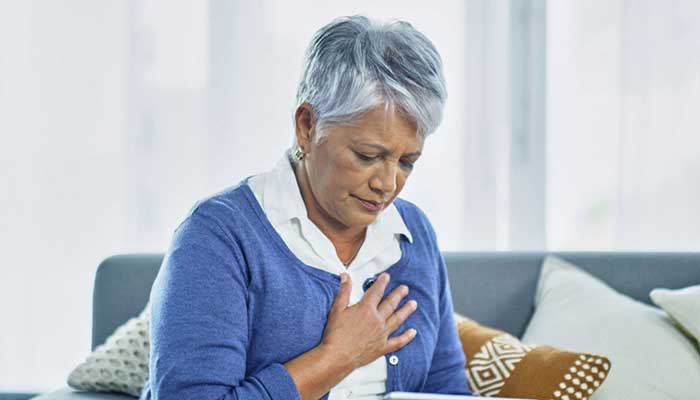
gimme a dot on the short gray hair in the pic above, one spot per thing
(354, 64)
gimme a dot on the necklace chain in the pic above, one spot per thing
(346, 263)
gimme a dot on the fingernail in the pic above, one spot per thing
(413, 332)
(343, 277)
(414, 304)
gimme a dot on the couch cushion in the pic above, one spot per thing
(651, 358)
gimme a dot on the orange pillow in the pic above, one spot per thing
(499, 365)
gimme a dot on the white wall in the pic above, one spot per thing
(62, 181)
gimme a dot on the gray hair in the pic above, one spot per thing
(354, 64)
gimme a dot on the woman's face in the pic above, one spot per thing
(357, 170)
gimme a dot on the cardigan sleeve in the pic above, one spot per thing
(446, 373)
(199, 323)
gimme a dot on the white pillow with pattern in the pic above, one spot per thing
(121, 363)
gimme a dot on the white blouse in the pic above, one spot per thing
(279, 196)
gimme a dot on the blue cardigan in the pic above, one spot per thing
(231, 304)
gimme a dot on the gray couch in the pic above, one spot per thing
(494, 288)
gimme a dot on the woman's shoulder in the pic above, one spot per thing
(415, 219)
(222, 205)
(223, 224)
(228, 210)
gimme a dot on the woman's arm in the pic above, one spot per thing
(199, 323)
(317, 371)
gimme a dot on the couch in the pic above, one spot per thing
(493, 288)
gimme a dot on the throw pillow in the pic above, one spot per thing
(498, 364)
(683, 306)
(121, 363)
(577, 311)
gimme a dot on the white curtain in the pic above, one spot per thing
(623, 133)
(569, 125)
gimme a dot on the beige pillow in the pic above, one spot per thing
(498, 364)
(121, 363)
(577, 311)
(683, 306)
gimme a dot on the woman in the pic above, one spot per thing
(275, 288)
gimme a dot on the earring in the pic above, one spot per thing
(299, 154)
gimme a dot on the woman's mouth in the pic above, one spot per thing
(370, 205)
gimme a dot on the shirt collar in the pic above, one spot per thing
(283, 202)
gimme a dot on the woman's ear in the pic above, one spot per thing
(305, 125)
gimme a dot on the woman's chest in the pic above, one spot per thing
(287, 316)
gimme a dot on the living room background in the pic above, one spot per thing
(570, 125)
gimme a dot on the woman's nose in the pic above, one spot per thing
(385, 179)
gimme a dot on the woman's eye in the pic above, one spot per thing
(407, 164)
(365, 157)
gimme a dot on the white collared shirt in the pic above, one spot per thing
(278, 193)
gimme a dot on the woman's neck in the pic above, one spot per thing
(346, 240)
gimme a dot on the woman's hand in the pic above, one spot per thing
(359, 334)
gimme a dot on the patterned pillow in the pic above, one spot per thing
(121, 363)
(498, 364)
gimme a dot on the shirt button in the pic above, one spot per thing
(368, 283)
(348, 394)
(393, 360)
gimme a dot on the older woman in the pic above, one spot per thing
(313, 279)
